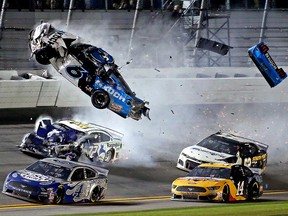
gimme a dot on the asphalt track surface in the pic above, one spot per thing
(138, 187)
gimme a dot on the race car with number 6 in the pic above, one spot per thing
(218, 182)
(87, 67)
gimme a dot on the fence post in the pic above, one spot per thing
(69, 13)
(264, 19)
(1, 17)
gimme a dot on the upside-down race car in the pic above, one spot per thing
(74, 139)
(218, 182)
(266, 65)
(55, 180)
(224, 148)
(88, 67)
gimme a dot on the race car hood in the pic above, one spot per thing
(32, 178)
(205, 155)
(198, 181)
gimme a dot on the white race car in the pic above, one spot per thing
(73, 139)
(224, 148)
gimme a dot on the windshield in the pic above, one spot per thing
(50, 169)
(220, 144)
(214, 172)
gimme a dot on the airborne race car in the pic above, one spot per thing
(73, 140)
(57, 181)
(88, 67)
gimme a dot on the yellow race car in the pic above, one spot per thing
(218, 182)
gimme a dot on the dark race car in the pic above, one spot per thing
(266, 65)
(57, 181)
(73, 139)
(224, 148)
(88, 67)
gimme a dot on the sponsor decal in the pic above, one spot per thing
(80, 124)
(114, 93)
(116, 107)
(34, 176)
(271, 61)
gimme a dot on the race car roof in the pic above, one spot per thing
(74, 164)
(88, 127)
(241, 139)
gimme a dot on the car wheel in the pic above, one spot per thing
(59, 195)
(44, 55)
(100, 99)
(253, 192)
(226, 193)
(95, 194)
(108, 156)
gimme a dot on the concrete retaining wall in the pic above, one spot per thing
(171, 88)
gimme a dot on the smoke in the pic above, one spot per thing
(172, 127)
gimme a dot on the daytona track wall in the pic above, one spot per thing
(182, 86)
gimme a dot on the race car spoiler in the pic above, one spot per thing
(266, 65)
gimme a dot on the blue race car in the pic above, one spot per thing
(57, 181)
(266, 65)
(88, 67)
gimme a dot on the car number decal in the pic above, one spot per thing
(240, 188)
(75, 71)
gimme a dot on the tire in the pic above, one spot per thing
(108, 156)
(253, 192)
(226, 194)
(95, 194)
(59, 195)
(100, 99)
(44, 55)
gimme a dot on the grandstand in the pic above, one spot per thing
(156, 42)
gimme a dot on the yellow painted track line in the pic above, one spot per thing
(134, 199)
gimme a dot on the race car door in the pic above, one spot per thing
(240, 180)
